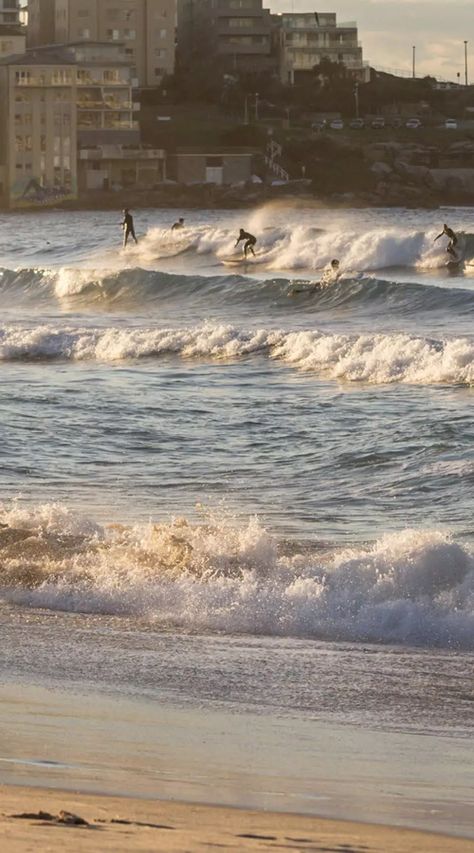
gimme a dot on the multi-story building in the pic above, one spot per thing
(105, 107)
(234, 35)
(10, 12)
(37, 128)
(145, 27)
(308, 37)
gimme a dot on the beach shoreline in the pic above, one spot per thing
(57, 820)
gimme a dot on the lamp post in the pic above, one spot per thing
(356, 98)
(256, 106)
(414, 61)
(465, 62)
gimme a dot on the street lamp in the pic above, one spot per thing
(256, 106)
(413, 62)
(465, 62)
(356, 98)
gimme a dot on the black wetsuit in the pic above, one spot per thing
(129, 228)
(452, 240)
(250, 241)
(177, 225)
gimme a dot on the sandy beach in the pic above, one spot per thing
(43, 819)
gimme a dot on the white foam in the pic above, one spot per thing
(380, 358)
(413, 587)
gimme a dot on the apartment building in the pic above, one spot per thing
(145, 27)
(236, 35)
(37, 129)
(308, 37)
(10, 12)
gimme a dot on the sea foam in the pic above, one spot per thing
(411, 587)
(371, 358)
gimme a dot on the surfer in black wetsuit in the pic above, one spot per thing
(452, 240)
(178, 224)
(128, 227)
(250, 241)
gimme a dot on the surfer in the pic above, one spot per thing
(128, 227)
(452, 240)
(331, 273)
(178, 224)
(250, 241)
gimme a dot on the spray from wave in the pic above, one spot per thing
(371, 358)
(412, 587)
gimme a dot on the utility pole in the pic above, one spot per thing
(414, 61)
(256, 106)
(356, 98)
(465, 62)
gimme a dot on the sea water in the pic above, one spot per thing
(225, 488)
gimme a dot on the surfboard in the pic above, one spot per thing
(235, 262)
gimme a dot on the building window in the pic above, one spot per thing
(163, 34)
(130, 34)
(114, 35)
(85, 33)
(22, 78)
(111, 76)
(241, 23)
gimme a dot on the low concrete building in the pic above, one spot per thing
(211, 166)
(114, 167)
(38, 147)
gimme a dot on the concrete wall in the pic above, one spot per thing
(195, 168)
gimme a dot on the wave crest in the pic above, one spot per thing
(412, 587)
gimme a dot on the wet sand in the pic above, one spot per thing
(124, 824)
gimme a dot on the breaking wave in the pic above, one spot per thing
(412, 587)
(295, 247)
(372, 358)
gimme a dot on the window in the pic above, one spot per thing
(163, 34)
(160, 52)
(111, 76)
(241, 23)
(114, 35)
(22, 78)
(129, 34)
(85, 33)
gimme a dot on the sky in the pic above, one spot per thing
(389, 29)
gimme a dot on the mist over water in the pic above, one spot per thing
(204, 446)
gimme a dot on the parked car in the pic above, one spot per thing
(451, 124)
(318, 125)
(357, 124)
(378, 124)
(413, 123)
(337, 124)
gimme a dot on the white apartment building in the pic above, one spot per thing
(10, 12)
(309, 37)
(37, 129)
(145, 27)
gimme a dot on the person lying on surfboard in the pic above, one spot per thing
(250, 241)
(452, 240)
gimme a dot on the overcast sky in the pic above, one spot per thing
(388, 30)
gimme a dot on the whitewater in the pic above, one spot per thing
(225, 486)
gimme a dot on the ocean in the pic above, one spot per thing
(227, 491)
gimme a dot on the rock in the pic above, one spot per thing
(380, 168)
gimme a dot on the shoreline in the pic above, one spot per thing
(210, 197)
(59, 820)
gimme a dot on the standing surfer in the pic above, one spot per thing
(250, 241)
(452, 240)
(128, 227)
